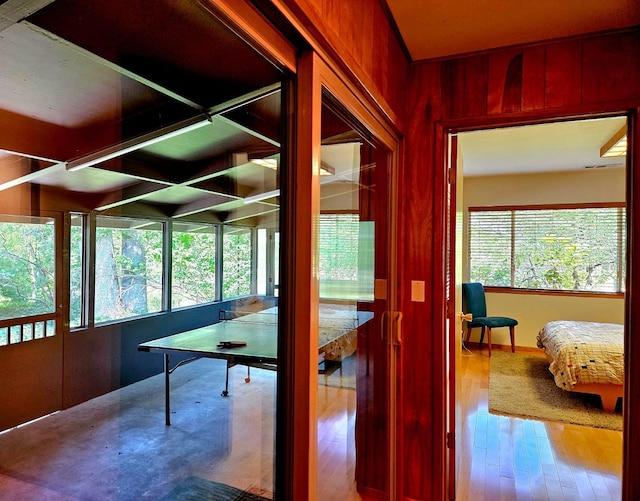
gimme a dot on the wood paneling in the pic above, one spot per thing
(360, 37)
(422, 348)
(505, 82)
(533, 63)
(563, 74)
(610, 68)
(538, 82)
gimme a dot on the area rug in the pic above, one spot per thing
(521, 385)
(339, 375)
(200, 489)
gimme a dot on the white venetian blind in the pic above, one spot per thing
(578, 249)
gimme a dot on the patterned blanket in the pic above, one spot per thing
(584, 352)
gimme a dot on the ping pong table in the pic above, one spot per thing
(257, 334)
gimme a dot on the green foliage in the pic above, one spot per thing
(568, 249)
(194, 268)
(236, 270)
(27, 269)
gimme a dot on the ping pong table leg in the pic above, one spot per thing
(167, 404)
(225, 393)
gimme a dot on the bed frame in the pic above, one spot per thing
(609, 393)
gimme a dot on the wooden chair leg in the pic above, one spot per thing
(467, 335)
(481, 337)
(512, 333)
(489, 339)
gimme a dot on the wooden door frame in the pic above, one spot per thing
(631, 407)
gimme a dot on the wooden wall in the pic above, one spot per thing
(360, 35)
(567, 78)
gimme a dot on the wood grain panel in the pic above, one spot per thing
(360, 34)
(563, 74)
(31, 374)
(557, 79)
(476, 81)
(611, 68)
(452, 81)
(631, 448)
(505, 82)
(419, 451)
(382, 61)
(533, 66)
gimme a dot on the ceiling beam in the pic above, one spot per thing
(24, 169)
(115, 67)
(200, 205)
(128, 194)
(13, 11)
(168, 132)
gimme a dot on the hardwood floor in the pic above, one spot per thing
(504, 458)
(336, 444)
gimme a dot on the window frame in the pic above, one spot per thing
(621, 249)
(164, 223)
(56, 316)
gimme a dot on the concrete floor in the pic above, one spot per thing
(117, 447)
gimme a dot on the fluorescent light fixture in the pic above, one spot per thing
(260, 196)
(137, 143)
(616, 146)
(269, 163)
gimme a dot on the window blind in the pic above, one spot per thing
(578, 249)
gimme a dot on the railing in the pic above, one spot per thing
(20, 330)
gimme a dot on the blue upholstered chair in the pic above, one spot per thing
(474, 302)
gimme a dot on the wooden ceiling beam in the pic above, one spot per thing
(203, 204)
(14, 11)
(115, 67)
(129, 194)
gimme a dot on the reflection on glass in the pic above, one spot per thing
(347, 356)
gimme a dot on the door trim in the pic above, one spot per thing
(631, 409)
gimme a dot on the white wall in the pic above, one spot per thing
(533, 311)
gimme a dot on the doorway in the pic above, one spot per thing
(540, 188)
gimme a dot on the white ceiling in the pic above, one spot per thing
(439, 28)
(560, 146)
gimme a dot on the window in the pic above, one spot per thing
(570, 248)
(27, 266)
(346, 257)
(193, 273)
(27, 278)
(76, 273)
(236, 261)
(128, 268)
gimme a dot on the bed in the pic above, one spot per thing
(586, 357)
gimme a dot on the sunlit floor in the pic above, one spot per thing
(504, 458)
(117, 447)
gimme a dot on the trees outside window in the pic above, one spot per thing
(193, 273)
(572, 249)
(236, 261)
(128, 269)
(27, 266)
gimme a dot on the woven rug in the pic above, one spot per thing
(200, 489)
(521, 385)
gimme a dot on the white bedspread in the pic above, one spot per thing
(584, 352)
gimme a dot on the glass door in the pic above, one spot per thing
(346, 333)
(353, 357)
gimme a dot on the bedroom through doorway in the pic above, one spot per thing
(543, 229)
